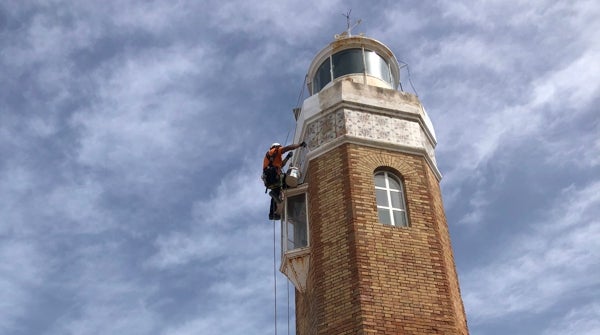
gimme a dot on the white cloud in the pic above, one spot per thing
(227, 318)
(155, 16)
(16, 183)
(475, 52)
(178, 249)
(224, 224)
(583, 320)
(233, 240)
(108, 297)
(478, 207)
(22, 270)
(530, 87)
(32, 204)
(146, 122)
(557, 99)
(537, 269)
(574, 86)
(75, 208)
(281, 19)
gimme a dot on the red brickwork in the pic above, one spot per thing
(370, 278)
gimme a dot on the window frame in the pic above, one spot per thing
(389, 206)
(289, 193)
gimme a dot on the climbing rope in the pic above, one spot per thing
(300, 96)
(288, 305)
(275, 284)
(405, 65)
(275, 274)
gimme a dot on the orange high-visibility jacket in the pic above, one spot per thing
(276, 155)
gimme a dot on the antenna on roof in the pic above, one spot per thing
(347, 15)
(348, 32)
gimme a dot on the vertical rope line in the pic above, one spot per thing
(300, 96)
(288, 306)
(275, 275)
(410, 81)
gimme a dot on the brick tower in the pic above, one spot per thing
(364, 235)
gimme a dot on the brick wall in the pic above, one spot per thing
(369, 278)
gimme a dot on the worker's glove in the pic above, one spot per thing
(303, 144)
(289, 155)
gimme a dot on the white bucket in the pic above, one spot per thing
(292, 177)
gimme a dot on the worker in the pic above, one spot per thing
(272, 176)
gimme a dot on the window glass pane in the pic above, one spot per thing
(300, 236)
(394, 184)
(400, 218)
(397, 199)
(382, 198)
(384, 216)
(290, 235)
(322, 77)
(377, 66)
(347, 61)
(380, 180)
(296, 222)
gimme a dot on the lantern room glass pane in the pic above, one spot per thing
(347, 62)
(322, 77)
(377, 66)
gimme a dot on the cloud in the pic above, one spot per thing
(497, 110)
(272, 20)
(230, 241)
(31, 204)
(224, 224)
(582, 320)
(484, 62)
(575, 85)
(553, 262)
(22, 271)
(245, 315)
(479, 204)
(106, 294)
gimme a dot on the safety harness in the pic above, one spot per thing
(270, 176)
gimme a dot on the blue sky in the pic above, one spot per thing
(132, 135)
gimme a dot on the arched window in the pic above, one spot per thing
(391, 205)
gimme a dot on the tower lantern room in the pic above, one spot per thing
(364, 234)
(360, 59)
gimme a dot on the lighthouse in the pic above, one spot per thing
(364, 234)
